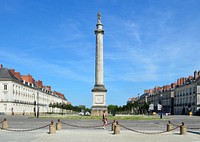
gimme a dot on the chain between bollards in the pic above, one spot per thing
(95, 126)
(115, 127)
(149, 133)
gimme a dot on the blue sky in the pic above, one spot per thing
(146, 43)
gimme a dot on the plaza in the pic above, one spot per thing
(97, 134)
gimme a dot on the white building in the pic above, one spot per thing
(26, 96)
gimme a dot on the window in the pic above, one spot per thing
(5, 87)
(194, 90)
(190, 90)
(198, 89)
(186, 91)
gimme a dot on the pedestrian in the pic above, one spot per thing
(104, 119)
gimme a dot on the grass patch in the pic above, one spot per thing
(134, 117)
(118, 117)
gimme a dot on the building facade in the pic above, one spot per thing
(23, 95)
(187, 95)
(178, 98)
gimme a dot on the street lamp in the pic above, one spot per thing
(34, 109)
(37, 104)
(161, 106)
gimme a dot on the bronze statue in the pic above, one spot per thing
(99, 17)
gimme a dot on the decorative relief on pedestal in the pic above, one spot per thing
(99, 99)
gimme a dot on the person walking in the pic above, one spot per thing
(104, 119)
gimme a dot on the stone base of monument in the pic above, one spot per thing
(98, 110)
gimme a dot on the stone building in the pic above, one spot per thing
(23, 95)
(187, 94)
(177, 98)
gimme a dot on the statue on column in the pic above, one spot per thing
(99, 17)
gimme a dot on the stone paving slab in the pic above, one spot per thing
(82, 135)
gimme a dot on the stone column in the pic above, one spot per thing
(99, 91)
(99, 54)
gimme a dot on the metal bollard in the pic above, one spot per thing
(52, 129)
(113, 125)
(183, 129)
(58, 125)
(169, 127)
(117, 128)
(5, 124)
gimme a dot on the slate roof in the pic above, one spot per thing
(6, 74)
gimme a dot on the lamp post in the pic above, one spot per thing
(34, 109)
(62, 107)
(38, 104)
(161, 106)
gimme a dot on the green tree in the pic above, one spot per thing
(112, 108)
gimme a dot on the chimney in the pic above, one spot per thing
(12, 71)
(190, 77)
(39, 83)
(150, 91)
(178, 82)
(167, 87)
(146, 91)
(48, 88)
(184, 80)
(28, 78)
(195, 75)
(173, 85)
(198, 73)
(18, 75)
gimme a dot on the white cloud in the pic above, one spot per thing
(66, 69)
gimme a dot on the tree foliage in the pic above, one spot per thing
(130, 108)
(67, 107)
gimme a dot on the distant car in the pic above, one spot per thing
(197, 113)
(2, 113)
(81, 113)
(168, 113)
(87, 113)
(154, 113)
